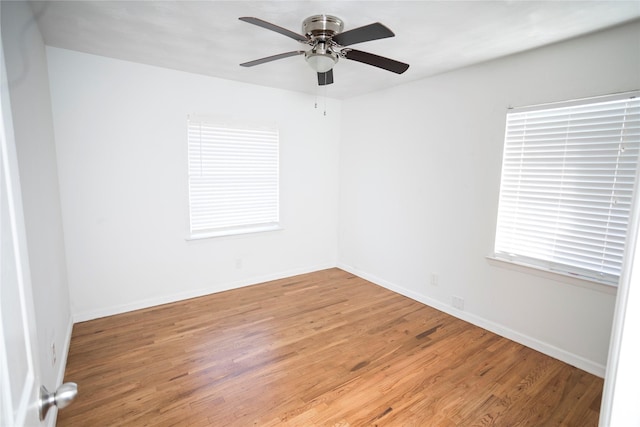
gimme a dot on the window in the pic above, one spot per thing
(233, 178)
(568, 178)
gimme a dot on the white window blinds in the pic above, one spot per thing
(233, 178)
(568, 179)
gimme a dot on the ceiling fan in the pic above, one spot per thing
(324, 34)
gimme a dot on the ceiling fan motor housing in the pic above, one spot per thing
(322, 27)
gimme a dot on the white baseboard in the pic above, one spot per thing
(165, 299)
(502, 330)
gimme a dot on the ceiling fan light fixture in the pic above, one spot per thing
(321, 58)
(321, 62)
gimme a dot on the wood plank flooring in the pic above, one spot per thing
(321, 349)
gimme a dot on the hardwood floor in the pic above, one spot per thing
(325, 348)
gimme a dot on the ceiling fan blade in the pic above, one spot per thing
(272, 27)
(272, 58)
(325, 78)
(377, 61)
(367, 33)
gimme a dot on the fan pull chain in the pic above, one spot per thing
(324, 100)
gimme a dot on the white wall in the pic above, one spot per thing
(33, 126)
(420, 177)
(121, 142)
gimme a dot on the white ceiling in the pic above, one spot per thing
(206, 37)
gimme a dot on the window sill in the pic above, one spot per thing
(234, 232)
(553, 275)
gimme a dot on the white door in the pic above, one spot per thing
(19, 376)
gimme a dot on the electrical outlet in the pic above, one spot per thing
(434, 279)
(457, 302)
(54, 357)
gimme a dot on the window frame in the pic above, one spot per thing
(552, 266)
